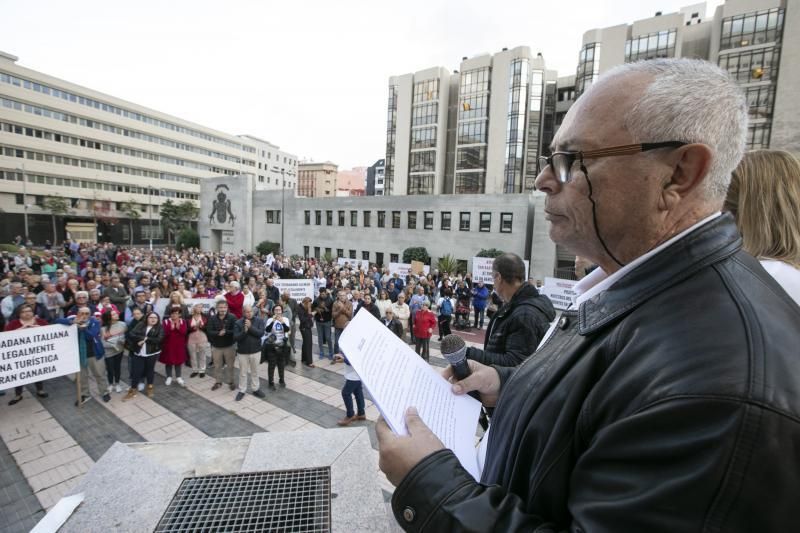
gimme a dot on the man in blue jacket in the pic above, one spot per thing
(91, 352)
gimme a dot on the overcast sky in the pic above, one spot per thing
(309, 76)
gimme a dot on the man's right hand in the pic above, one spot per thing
(222, 332)
(483, 379)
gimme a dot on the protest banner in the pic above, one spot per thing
(355, 264)
(161, 304)
(298, 288)
(482, 269)
(29, 355)
(404, 269)
(560, 291)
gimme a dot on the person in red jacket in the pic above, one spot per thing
(424, 322)
(235, 299)
(26, 320)
(173, 348)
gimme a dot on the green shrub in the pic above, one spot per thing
(417, 253)
(491, 252)
(187, 238)
(267, 247)
(447, 263)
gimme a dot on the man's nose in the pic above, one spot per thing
(547, 182)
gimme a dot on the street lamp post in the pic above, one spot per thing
(150, 216)
(24, 199)
(283, 211)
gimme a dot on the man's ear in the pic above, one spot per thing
(692, 163)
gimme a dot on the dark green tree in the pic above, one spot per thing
(416, 253)
(265, 247)
(187, 238)
(491, 252)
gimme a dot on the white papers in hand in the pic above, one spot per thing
(397, 378)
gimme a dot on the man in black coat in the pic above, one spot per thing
(516, 329)
(666, 399)
(219, 330)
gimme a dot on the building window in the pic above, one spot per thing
(341, 218)
(308, 218)
(446, 217)
(365, 256)
(463, 221)
(757, 27)
(506, 222)
(327, 251)
(412, 220)
(318, 217)
(270, 217)
(354, 218)
(395, 219)
(19, 199)
(278, 216)
(381, 219)
(352, 254)
(316, 252)
(305, 251)
(651, 46)
(339, 252)
(329, 218)
(485, 223)
(753, 66)
(394, 258)
(428, 219)
(367, 217)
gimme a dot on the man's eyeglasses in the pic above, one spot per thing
(561, 163)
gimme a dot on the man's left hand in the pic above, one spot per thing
(398, 455)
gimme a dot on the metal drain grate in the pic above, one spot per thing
(287, 500)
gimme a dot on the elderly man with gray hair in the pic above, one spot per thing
(666, 398)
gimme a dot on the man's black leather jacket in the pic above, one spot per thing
(669, 402)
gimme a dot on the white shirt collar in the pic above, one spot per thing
(598, 281)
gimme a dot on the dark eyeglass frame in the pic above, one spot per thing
(561, 163)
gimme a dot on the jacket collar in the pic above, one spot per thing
(706, 245)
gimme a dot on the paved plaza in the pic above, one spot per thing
(47, 445)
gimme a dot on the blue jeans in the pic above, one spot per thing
(353, 388)
(323, 337)
(337, 332)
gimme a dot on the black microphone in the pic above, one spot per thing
(454, 349)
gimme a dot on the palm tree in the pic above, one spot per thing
(132, 212)
(58, 207)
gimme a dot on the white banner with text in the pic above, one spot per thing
(29, 355)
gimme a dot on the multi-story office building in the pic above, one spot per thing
(745, 37)
(376, 175)
(317, 180)
(477, 130)
(106, 155)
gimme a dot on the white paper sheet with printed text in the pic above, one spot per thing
(397, 378)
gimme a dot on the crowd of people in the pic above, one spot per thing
(111, 293)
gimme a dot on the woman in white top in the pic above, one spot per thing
(764, 197)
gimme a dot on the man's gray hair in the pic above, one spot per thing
(693, 101)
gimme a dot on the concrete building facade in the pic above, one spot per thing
(751, 39)
(478, 130)
(377, 228)
(317, 180)
(107, 156)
